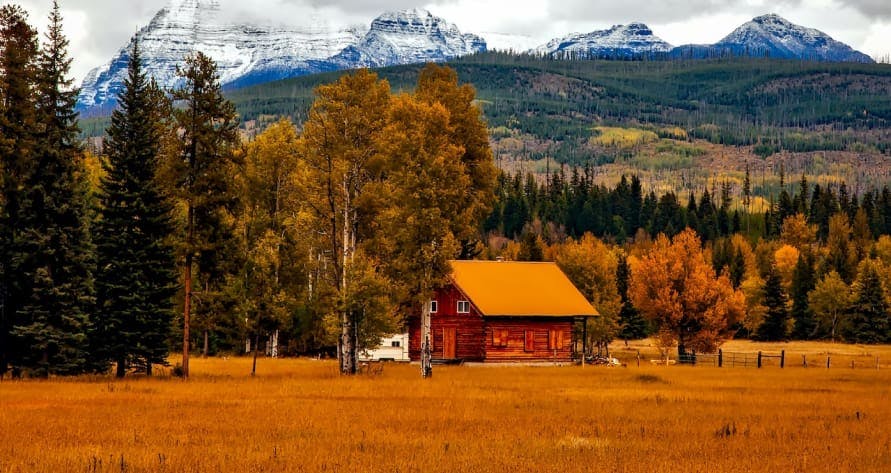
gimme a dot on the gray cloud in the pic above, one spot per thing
(665, 11)
(871, 8)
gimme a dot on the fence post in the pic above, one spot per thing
(828, 361)
(782, 358)
(759, 359)
(877, 362)
(804, 361)
(638, 358)
(852, 364)
(721, 358)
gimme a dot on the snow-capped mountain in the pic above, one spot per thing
(254, 53)
(406, 37)
(629, 40)
(774, 36)
(248, 54)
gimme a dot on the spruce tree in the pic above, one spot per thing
(135, 280)
(803, 282)
(773, 328)
(869, 316)
(18, 56)
(54, 244)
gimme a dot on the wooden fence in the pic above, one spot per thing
(765, 359)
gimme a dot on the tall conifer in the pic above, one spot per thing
(135, 280)
(202, 175)
(774, 326)
(54, 246)
(18, 56)
(803, 282)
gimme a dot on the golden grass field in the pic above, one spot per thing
(300, 415)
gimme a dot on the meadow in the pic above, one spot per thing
(300, 415)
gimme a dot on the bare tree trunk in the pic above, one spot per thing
(187, 309)
(426, 353)
(347, 326)
(206, 344)
(256, 345)
(121, 368)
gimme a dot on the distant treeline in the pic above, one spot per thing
(575, 205)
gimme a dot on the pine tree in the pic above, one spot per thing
(803, 282)
(18, 56)
(54, 244)
(135, 280)
(200, 178)
(869, 316)
(774, 326)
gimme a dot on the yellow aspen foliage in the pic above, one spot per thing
(753, 290)
(591, 266)
(741, 244)
(675, 286)
(786, 258)
(882, 249)
(796, 232)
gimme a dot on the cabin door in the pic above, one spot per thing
(449, 343)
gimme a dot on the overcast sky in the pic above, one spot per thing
(98, 28)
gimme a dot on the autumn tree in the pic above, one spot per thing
(467, 130)
(135, 280)
(340, 150)
(592, 266)
(798, 233)
(830, 300)
(675, 287)
(199, 176)
(272, 225)
(426, 209)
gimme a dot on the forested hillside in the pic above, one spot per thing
(777, 104)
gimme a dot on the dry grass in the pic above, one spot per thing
(299, 415)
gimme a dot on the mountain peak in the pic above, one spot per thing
(409, 36)
(774, 36)
(633, 39)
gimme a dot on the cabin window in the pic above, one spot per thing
(463, 307)
(395, 344)
(529, 345)
(499, 337)
(433, 307)
(555, 339)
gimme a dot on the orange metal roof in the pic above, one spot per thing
(509, 288)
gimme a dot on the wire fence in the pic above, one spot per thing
(761, 359)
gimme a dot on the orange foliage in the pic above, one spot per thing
(675, 286)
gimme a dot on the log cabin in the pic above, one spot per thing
(496, 311)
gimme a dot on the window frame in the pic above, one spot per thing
(467, 310)
(434, 306)
(500, 337)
